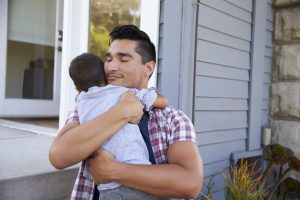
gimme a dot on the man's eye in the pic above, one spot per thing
(108, 59)
(124, 60)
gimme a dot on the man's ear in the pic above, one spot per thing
(150, 66)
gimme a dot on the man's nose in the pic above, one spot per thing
(113, 66)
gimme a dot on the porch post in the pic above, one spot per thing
(75, 42)
(150, 24)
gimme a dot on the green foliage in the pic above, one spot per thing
(294, 163)
(209, 187)
(278, 154)
(105, 15)
(99, 40)
(244, 183)
(291, 187)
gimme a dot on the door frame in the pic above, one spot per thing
(75, 42)
(150, 24)
(18, 107)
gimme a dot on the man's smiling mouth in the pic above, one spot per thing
(113, 77)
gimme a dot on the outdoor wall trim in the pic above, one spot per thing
(234, 157)
(150, 24)
(187, 65)
(170, 66)
(3, 42)
(75, 42)
(256, 74)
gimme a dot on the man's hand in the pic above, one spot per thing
(133, 108)
(101, 166)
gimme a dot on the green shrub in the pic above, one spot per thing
(244, 183)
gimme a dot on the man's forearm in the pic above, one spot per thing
(80, 141)
(170, 180)
(181, 178)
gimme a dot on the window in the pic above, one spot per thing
(104, 16)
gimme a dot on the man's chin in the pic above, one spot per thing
(121, 84)
(116, 83)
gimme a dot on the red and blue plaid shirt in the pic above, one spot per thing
(166, 126)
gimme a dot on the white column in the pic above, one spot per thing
(150, 24)
(75, 42)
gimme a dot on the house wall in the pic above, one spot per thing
(160, 42)
(222, 83)
(268, 58)
(230, 71)
(285, 94)
(169, 49)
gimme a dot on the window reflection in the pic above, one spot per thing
(30, 49)
(104, 16)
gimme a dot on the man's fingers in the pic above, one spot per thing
(102, 153)
(133, 107)
(96, 153)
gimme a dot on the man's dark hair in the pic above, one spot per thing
(87, 70)
(144, 45)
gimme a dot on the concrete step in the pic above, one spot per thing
(25, 171)
(52, 186)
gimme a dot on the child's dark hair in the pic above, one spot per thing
(87, 70)
(145, 47)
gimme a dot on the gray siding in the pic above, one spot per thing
(225, 69)
(160, 45)
(268, 64)
(169, 49)
(222, 83)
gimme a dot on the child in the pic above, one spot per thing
(94, 98)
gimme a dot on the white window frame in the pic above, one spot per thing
(19, 107)
(150, 24)
(75, 42)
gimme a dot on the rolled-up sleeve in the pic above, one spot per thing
(181, 128)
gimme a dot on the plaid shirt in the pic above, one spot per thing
(166, 126)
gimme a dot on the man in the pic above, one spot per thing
(171, 139)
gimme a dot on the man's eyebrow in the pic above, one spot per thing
(121, 54)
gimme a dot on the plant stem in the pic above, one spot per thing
(278, 183)
(266, 173)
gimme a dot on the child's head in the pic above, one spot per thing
(87, 70)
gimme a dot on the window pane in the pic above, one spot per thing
(105, 15)
(30, 49)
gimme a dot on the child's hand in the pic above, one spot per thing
(161, 101)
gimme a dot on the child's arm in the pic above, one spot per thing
(161, 101)
(150, 98)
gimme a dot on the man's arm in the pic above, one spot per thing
(181, 178)
(75, 142)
